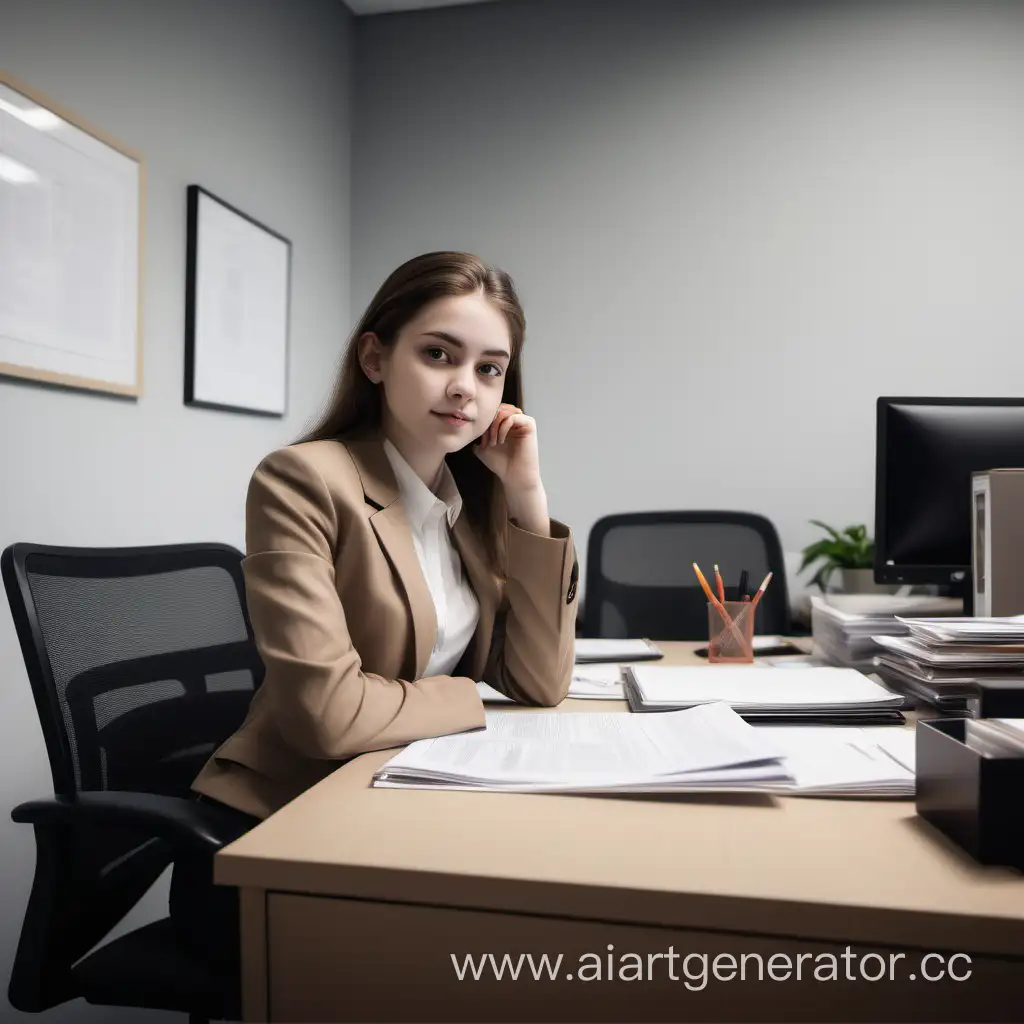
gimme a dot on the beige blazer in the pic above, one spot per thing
(345, 624)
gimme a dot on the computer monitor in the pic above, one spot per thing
(927, 449)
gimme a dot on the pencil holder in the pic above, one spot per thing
(731, 639)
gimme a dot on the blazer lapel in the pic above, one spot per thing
(484, 584)
(395, 535)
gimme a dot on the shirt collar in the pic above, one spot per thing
(417, 498)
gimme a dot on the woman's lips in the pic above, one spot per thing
(451, 418)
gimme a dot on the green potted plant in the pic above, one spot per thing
(850, 553)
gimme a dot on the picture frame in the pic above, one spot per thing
(72, 212)
(237, 309)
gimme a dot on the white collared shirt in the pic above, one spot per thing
(431, 518)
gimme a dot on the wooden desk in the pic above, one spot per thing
(353, 900)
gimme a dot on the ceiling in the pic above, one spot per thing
(386, 6)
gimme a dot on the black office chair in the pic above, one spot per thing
(141, 662)
(640, 578)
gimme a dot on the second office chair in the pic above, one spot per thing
(640, 579)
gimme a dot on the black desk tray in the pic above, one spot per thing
(977, 801)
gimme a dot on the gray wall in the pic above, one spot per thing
(251, 99)
(733, 225)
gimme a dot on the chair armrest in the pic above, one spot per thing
(187, 825)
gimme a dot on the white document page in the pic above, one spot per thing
(601, 649)
(589, 682)
(839, 760)
(597, 682)
(900, 744)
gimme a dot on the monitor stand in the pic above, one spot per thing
(964, 589)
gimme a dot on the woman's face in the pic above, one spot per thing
(444, 375)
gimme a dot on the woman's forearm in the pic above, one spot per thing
(529, 510)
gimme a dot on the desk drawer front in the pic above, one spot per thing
(349, 960)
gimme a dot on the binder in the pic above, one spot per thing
(822, 695)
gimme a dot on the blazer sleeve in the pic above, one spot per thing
(532, 651)
(324, 704)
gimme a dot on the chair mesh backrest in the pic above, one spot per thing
(147, 661)
(640, 578)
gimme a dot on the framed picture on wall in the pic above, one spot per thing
(237, 287)
(71, 221)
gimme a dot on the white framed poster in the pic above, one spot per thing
(238, 281)
(71, 222)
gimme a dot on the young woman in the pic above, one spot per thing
(402, 550)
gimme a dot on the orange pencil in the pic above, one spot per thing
(707, 590)
(720, 585)
(760, 591)
(726, 617)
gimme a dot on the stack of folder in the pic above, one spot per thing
(941, 661)
(826, 695)
(844, 626)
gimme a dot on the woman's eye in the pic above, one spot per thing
(491, 366)
(436, 354)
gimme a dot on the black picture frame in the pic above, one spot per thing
(237, 309)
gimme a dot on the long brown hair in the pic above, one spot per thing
(354, 408)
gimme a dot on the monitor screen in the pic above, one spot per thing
(927, 449)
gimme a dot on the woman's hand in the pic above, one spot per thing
(508, 448)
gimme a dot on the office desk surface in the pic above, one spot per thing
(850, 870)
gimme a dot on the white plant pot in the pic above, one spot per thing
(858, 581)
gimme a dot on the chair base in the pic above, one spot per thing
(149, 968)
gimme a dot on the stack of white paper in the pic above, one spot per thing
(821, 694)
(999, 631)
(845, 626)
(962, 655)
(942, 661)
(708, 748)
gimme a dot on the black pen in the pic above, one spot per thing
(741, 590)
